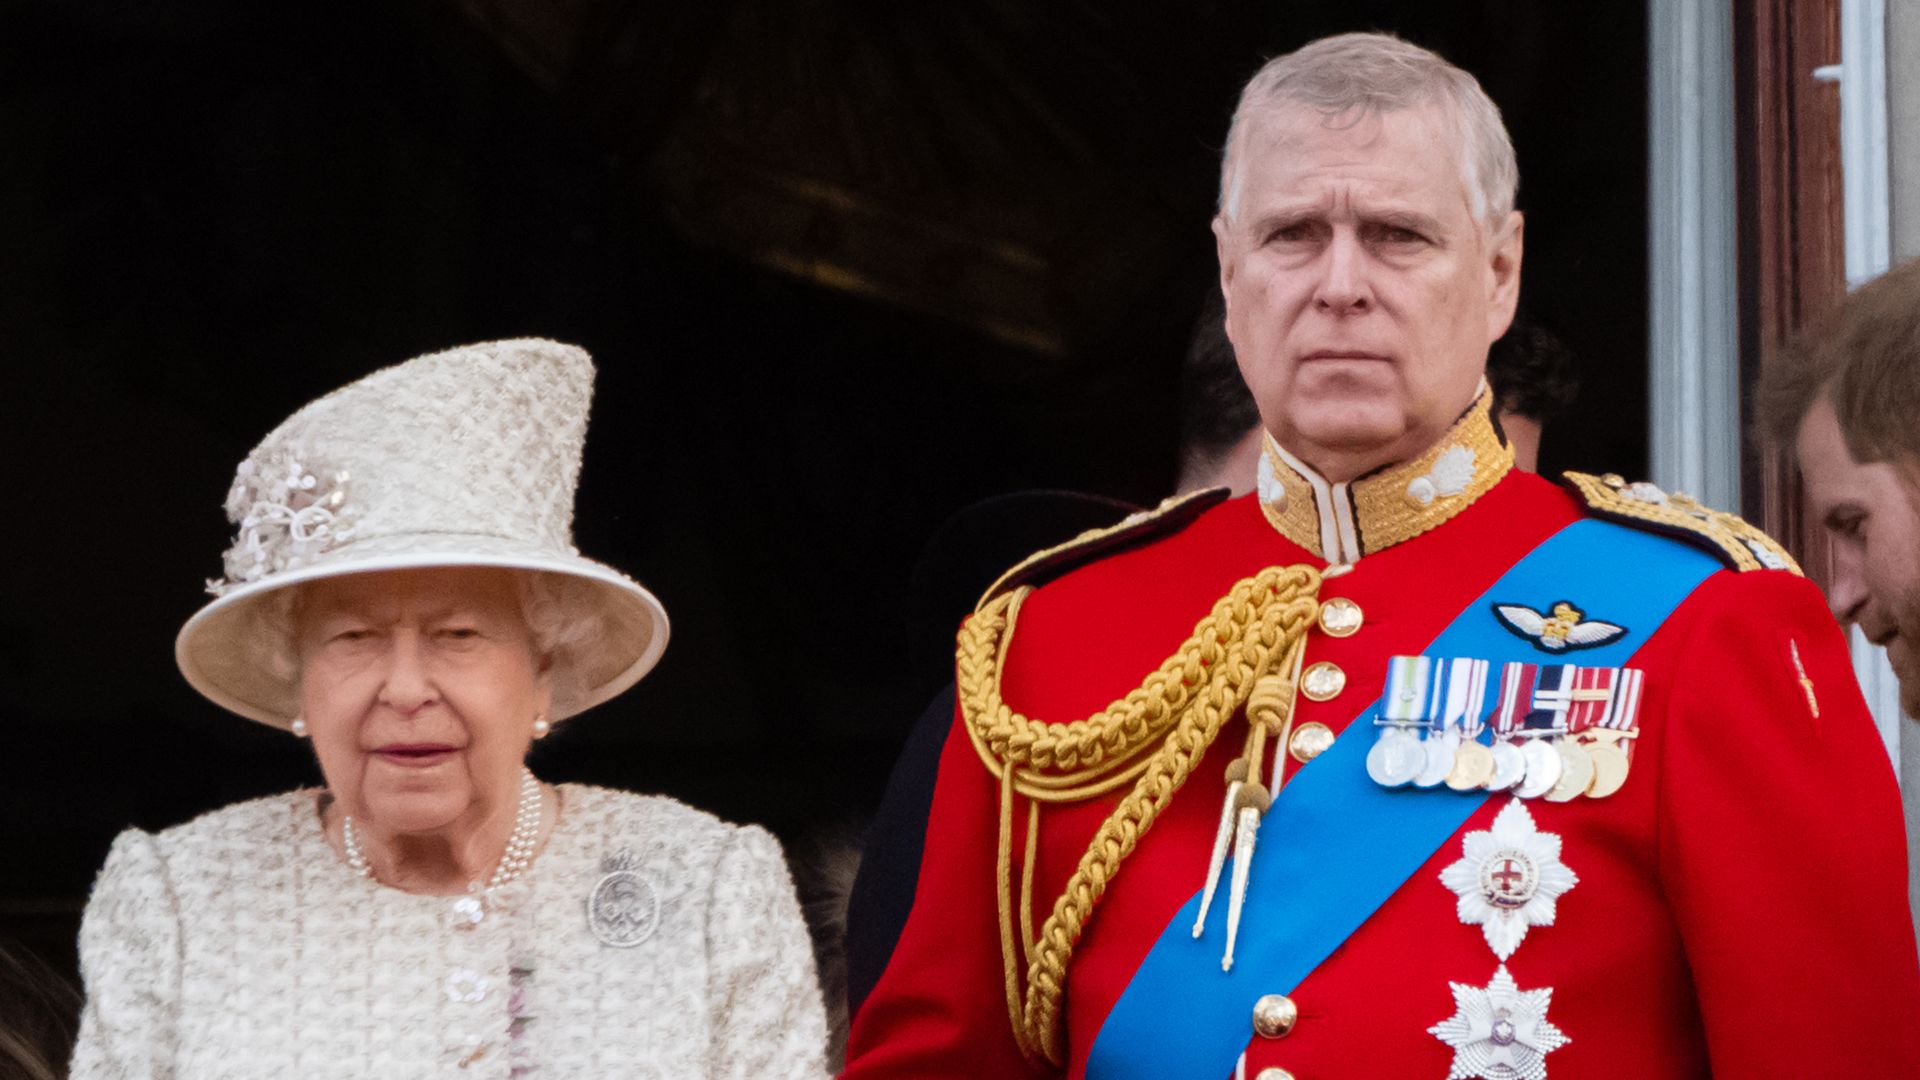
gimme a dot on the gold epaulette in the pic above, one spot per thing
(1173, 514)
(1727, 537)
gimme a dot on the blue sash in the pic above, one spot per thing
(1337, 845)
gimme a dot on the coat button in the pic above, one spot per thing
(1274, 1073)
(1323, 681)
(1273, 1016)
(1309, 740)
(1340, 617)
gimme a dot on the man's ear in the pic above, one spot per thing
(1503, 273)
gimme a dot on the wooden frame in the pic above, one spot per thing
(1792, 263)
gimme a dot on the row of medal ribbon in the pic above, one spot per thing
(1559, 731)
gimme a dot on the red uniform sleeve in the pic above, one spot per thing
(1781, 845)
(940, 1008)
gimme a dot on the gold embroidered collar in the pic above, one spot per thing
(1341, 522)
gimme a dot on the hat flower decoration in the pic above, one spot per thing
(287, 517)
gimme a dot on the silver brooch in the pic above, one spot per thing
(624, 908)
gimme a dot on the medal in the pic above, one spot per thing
(1575, 697)
(1396, 757)
(1606, 727)
(1576, 771)
(1413, 684)
(1466, 694)
(1414, 690)
(1510, 764)
(1543, 769)
(1545, 721)
(1509, 767)
(1590, 702)
(1473, 768)
(1609, 762)
(1442, 749)
(1465, 719)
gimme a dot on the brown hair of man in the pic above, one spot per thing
(1865, 357)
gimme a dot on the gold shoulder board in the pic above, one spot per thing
(1170, 516)
(1727, 537)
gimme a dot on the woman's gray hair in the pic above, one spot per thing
(1354, 75)
(562, 613)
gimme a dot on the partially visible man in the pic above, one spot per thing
(1219, 426)
(1184, 826)
(1848, 399)
(1533, 380)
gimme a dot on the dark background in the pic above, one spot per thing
(846, 267)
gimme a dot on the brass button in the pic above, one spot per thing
(1309, 740)
(1323, 681)
(1340, 617)
(1274, 1073)
(1273, 1016)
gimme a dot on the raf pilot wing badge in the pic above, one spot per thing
(1563, 628)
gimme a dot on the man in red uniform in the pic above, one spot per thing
(1408, 764)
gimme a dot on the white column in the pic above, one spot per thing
(1902, 126)
(1693, 364)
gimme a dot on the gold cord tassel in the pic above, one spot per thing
(1152, 737)
(1269, 712)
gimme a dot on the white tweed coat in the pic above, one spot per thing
(240, 945)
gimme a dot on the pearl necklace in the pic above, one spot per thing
(513, 861)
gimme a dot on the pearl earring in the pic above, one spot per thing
(540, 726)
(299, 727)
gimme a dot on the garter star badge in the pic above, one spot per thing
(1510, 879)
(1564, 627)
(1500, 1032)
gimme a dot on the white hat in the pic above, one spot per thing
(468, 457)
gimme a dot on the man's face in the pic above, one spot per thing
(1362, 293)
(1870, 516)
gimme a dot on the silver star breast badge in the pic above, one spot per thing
(1510, 878)
(1499, 1032)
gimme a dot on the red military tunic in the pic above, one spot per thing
(1740, 907)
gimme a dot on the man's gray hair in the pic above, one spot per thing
(1349, 76)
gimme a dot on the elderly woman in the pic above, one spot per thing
(405, 594)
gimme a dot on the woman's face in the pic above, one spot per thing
(420, 689)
